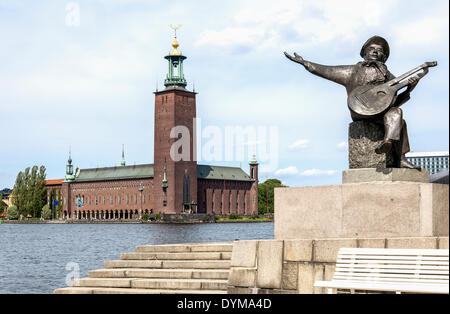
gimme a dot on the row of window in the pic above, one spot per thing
(431, 162)
(432, 159)
(229, 201)
(82, 200)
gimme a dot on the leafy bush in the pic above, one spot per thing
(158, 216)
(205, 218)
(266, 195)
(12, 213)
(46, 212)
(217, 217)
(144, 217)
(234, 216)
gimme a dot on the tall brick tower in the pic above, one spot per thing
(175, 170)
(254, 189)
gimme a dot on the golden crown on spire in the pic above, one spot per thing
(175, 43)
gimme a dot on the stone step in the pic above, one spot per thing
(103, 282)
(190, 264)
(159, 273)
(177, 248)
(193, 268)
(90, 290)
(177, 256)
(180, 284)
(156, 283)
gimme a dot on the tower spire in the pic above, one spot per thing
(175, 76)
(175, 43)
(123, 156)
(69, 168)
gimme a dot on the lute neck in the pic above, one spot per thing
(411, 72)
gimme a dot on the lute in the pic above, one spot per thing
(370, 100)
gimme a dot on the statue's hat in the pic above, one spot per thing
(376, 40)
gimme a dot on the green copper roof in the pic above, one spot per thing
(175, 75)
(253, 161)
(146, 171)
(115, 173)
(221, 173)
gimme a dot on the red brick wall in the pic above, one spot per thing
(108, 189)
(245, 189)
(173, 108)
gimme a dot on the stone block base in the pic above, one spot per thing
(377, 209)
(363, 138)
(385, 175)
(301, 262)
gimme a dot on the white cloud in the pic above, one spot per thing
(430, 29)
(289, 171)
(317, 172)
(267, 24)
(101, 75)
(299, 144)
(342, 145)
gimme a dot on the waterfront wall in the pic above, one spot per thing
(292, 266)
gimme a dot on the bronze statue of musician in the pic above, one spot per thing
(372, 93)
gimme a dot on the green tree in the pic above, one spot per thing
(18, 196)
(52, 198)
(1, 203)
(46, 212)
(30, 193)
(266, 195)
(40, 193)
(12, 213)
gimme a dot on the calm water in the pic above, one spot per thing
(33, 258)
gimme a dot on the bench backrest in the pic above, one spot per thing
(393, 265)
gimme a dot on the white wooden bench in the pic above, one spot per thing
(390, 270)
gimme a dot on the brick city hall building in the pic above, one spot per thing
(167, 186)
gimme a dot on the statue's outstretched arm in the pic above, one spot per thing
(338, 74)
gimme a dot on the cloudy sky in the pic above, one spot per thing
(82, 74)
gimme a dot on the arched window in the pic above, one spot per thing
(245, 201)
(186, 190)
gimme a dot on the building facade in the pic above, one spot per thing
(174, 183)
(431, 161)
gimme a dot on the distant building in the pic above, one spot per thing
(431, 161)
(166, 186)
(440, 177)
(6, 199)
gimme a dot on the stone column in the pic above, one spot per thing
(363, 138)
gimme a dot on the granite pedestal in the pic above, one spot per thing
(385, 175)
(385, 205)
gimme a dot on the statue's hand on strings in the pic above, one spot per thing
(412, 83)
